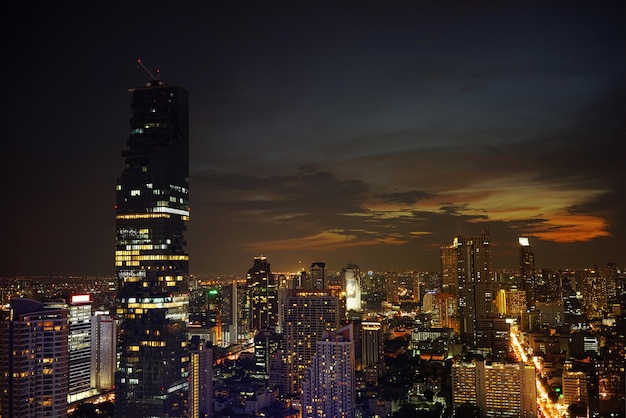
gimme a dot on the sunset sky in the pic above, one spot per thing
(366, 132)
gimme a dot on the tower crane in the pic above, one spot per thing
(147, 70)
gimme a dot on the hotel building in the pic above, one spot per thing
(498, 389)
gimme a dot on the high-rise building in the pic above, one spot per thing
(527, 272)
(306, 316)
(574, 384)
(328, 389)
(371, 343)
(34, 361)
(263, 297)
(352, 283)
(267, 352)
(318, 275)
(475, 283)
(449, 274)
(200, 379)
(151, 264)
(103, 351)
(498, 389)
(79, 347)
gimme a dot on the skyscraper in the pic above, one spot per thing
(150, 259)
(262, 291)
(475, 282)
(103, 352)
(328, 390)
(33, 361)
(318, 275)
(79, 347)
(200, 378)
(527, 272)
(306, 316)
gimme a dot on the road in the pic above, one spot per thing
(547, 409)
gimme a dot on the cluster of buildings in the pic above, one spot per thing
(318, 343)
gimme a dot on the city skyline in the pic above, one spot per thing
(370, 134)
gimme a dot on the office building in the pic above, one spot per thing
(527, 272)
(574, 383)
(200, 378)
(352, 285)
(475, 282)
(318, 275)
(263, 295)
(79, 347)
(151, 264)
(449, 274)
(372, 343)
(103, 351)
(498, 389)
(306, 316)
(328, 389)
(34, 361)
(267, 353)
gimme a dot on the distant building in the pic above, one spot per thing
(34, 361)
(372, 343)
(103, 351)
(449, 273)
(80, 347)
(493, 336)
(475, 283)
(527, 272)
(352, 285)
(574, 385)
(262, 295)
(498, 389)
(318, 275)
(306, 316)
(200, 379)
(267, 352)
(328, 389)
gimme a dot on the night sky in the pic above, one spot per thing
(367, 132)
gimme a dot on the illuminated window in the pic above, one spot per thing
(135, 192)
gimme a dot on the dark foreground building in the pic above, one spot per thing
(150, 260)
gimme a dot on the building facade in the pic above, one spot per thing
(498, 389)
(79, 347)
(152, 209)
(262, 295)
(475, 282)
(306, 316)
(103, 351)
(527, 272)
(328, 389)
(34, 361)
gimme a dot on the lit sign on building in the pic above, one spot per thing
(81, 298)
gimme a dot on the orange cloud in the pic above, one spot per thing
(571, 228)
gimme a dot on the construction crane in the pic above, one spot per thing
(147, 70)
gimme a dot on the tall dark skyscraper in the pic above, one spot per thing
(475, 281)
(262, 294)
(527, 272)
(150, 259)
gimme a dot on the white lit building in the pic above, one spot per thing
(328, 389)
(103, 355)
